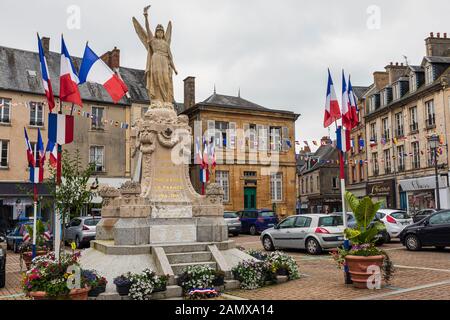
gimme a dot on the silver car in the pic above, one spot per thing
(81, 230)
(233, 222)
(313, 232)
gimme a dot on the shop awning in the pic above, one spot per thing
(425, 183)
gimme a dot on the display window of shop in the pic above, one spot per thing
(420, 200)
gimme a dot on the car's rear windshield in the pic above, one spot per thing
(399, 215)
(331, 221)
(91, 222)
(230, 215)
(267, 214)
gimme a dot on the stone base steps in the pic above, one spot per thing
(185, 257)
(178, 267)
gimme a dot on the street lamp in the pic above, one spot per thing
(434, 144)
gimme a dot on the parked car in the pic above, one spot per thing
(81, 230)
(313, 232)
(422, 214)
(433, 231)
(233, 222)
(256, 221)
(395, 221)
(381, 238)
(2, 266)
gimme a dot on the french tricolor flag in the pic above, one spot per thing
(346, 112)
(68, 79)
(332, 110)
(52, 150)
(93, 69)
(46, 77)
(60, 128)
(343, 139)
(353, 104)
(30, 154)
(36, 174)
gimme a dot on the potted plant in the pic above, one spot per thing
(251, 274)
(196, 277)
(364, 257)
(49, 279)
(96, 282)
(283, 265)
(123, 283)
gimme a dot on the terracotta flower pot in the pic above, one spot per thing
(27, 257)
(74, 294)
(358, 268)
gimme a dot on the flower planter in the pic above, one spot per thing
(358, 265)
(160, 289)
(27, 257)
(282, 272)
(123, 289)
(95, 292)
(74, 294)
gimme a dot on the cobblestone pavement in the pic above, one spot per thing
(419, 275)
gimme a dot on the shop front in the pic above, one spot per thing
(383, 191)
(420, 193)
(16, 203)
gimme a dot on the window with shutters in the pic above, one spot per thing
(232, 135)
(221, 130)
(275, 138)
(5, 108)
(429, 74)
(416, 155)
(97, 118)
(4, 153)
(263, 133)
(222, 178)
(399, 132)
(412, 82)
(96, 157)
(36, 114)
(276, 186)
(401, 158)
(387, 161)
(252, 139)
(414, 125)
(385, 123)
(431, 118)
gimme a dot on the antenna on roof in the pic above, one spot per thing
(214, 88)
(239, 92)
(406, 60)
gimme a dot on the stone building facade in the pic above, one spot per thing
(319, 184)
(247, 137)
(23, 104)
(410, 104)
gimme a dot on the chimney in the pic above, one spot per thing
(112, 58)
(395, 71)
(46, 43)
(325, 141)
(437, 46)
(381, 79)
(189, 92)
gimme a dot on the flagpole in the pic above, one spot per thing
(33, 254)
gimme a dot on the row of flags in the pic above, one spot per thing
(92, 69)
(348, 113)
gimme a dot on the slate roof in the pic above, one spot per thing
(360, 91)
(437, 59)
(416, 68)
(232, 102)
(324, 153)
(15, 65)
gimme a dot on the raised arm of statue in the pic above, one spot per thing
(147, 24)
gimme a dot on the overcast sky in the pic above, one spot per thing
(277, 52)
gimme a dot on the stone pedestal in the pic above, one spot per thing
(162, 207)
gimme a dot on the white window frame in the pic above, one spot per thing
(223, 178)
(416, 155)
(34, 116)
(5, 104)
(414, 126)
(373, 132)
(276, 186)
(399, 124)
(429, 106)
(412, 82)
(96, 148)
(429, 75)
(275, 138)
(2, 143)
(96, 123)
(401, 158)
(385, 125)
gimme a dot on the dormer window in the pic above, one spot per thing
(429, 74)
(412, 82)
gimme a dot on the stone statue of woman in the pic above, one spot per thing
(159, 60)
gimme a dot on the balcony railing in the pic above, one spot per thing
(414, 127)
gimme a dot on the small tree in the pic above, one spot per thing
(73, 193)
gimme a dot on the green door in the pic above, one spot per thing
(249, 198)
